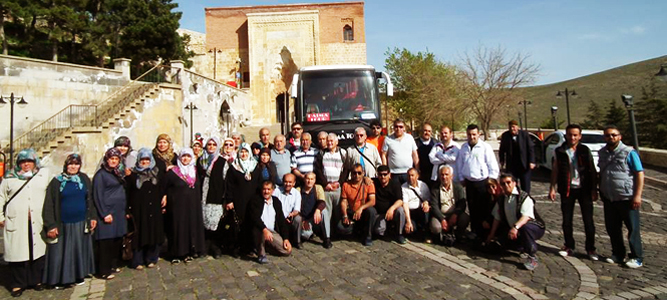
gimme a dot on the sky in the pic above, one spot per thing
(566, 38)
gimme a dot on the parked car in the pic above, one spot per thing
(544, 152)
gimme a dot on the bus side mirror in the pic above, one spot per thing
(294, 87)
(390, 86)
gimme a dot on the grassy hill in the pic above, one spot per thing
(599, 87)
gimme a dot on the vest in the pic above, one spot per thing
(584, 162)
(522, 197)
(616, 178)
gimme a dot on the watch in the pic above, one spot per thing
(515, 227)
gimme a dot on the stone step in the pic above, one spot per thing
(83, 130)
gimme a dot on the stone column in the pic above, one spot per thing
(123, 65)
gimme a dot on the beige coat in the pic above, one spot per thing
(29, 201)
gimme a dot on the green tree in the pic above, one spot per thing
(616, 115)
(650, 111)
(594, 117)
(426, 88)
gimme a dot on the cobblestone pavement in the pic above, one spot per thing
(388, 270)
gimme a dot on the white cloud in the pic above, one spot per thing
(636, 30)
(594, 37)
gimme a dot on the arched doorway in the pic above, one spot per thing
(283, 112)
(226, 118)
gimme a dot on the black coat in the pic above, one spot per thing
(255, 214)
(144, 204)
(459, 201)
(526, 150)
(51, 211)
(217, 188)
(241, 191)
(425, 165)
(185, 220)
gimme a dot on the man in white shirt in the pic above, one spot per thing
(416, 195)
(516, 211)
(290, 199)
(268, 224)
(363, 153)
(443, 153)
(475, 163)
(399, 152)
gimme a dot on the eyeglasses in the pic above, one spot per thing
(211, 144)
(505, 183)
(360, 135)
(358, 173)
(399, 126)
(297, 128)
(611, 135)
(383, 174)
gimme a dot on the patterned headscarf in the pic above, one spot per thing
(145, 174)
(208, 159)
(168, 155)
(231, 155)
(25, 155)
(117, 171)
(64, 177)
(124, 141)
(245, 166)
(186, 172)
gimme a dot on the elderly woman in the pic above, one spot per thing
(145, 202)
(228, 151)
(163, 153)
(128, 156)
(266, 168)
(110, 200)
(197, 148)
(242, 186)
(212, 171)
(22, 196)
(69, 217)
(185, 224)
(238, 140)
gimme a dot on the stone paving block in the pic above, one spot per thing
(613, 297)
(653, 291)
(642, 293)
(628, 295)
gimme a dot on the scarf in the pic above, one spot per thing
(117, 171)
(148, 173)
(229, 157)
(245, 166)
(168, 155)
(25, 155)
(208, 159)
(186, 172)
(64, 177)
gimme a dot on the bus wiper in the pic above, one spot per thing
(356, 118)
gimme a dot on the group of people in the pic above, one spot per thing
(250, 199)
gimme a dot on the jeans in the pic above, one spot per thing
(364, 225)
(616, 214)
(380, 226)
(567, 208)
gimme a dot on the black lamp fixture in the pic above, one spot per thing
(567, 94)
(20, 103)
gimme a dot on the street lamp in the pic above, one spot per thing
(567, 93)
(21, 103)
(191, 107)
(554, 111)
(525, 111)
(629, 105)
(662, 74)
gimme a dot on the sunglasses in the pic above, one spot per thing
(297, 128)
(229, 145)
(211, 144)
(383, 174)
(611, 135)
(377, 127)
(358, 173)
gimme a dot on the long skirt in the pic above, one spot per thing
(71, 258)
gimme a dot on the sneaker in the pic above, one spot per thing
(428, 241)
(188, 259)
(262, 259)
(80, 282)
(634, 263)
(565, 251)
(368, 242)
(523, 255)
(592, 255)
(613, 260)
(530, 263)
(327, 244)
(175, 261)
(401, 239)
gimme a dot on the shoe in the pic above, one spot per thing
(401, 239)
(565, 251)
(428, 241)
(139, 267)
(188, 259)
(262, 259)
(108, 277)
(523, 255)
(39, 287)
(298, 245)
(151, 265)
(368, 242)
(634, 263)
(613, 260)
(17, 293)
(59, 287)
(116, 270)
(80, 282)
(592, 255)
(471, 236)
(175, 261)
(327, 244)
(530, 263)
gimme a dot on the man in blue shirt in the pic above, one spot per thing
(620, 168)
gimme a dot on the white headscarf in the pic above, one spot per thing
(188, 170)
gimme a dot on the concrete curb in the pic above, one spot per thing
(657, 183)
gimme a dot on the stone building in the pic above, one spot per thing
(262, 47)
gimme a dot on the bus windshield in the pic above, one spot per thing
(333, 95)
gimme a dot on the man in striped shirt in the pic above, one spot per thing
(303, 159)
(330, 170)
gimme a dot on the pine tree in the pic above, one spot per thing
(594, 117)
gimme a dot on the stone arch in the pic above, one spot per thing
(348, 33)
(226, 118)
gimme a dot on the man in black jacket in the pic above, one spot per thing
(517, 155)
(269, 225)
(448, 207)
(424, 145)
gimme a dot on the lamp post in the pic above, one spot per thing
(525, 111)
(191, 107)
(628, 100)
(567, 93)
(520, 122)
(20, 103)
(554, 111)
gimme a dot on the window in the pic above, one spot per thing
(348, 33)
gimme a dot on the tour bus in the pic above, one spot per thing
(338, 99)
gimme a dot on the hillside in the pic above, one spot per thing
(598, 87)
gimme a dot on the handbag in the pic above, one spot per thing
(128, 238)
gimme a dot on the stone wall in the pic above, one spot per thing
(343, 53)
(48, 87)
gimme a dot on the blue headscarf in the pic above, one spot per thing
(25, 155)
(148, 173)
(64, 177)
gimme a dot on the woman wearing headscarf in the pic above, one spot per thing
(163, 153)
(242, 185)
(198, 148)
(22, 195)
(69, 218)
(266, 167)
(212, 170)
(110, 200)
(185, 225)
(128, 156)
(228, 151)
(145, 202)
